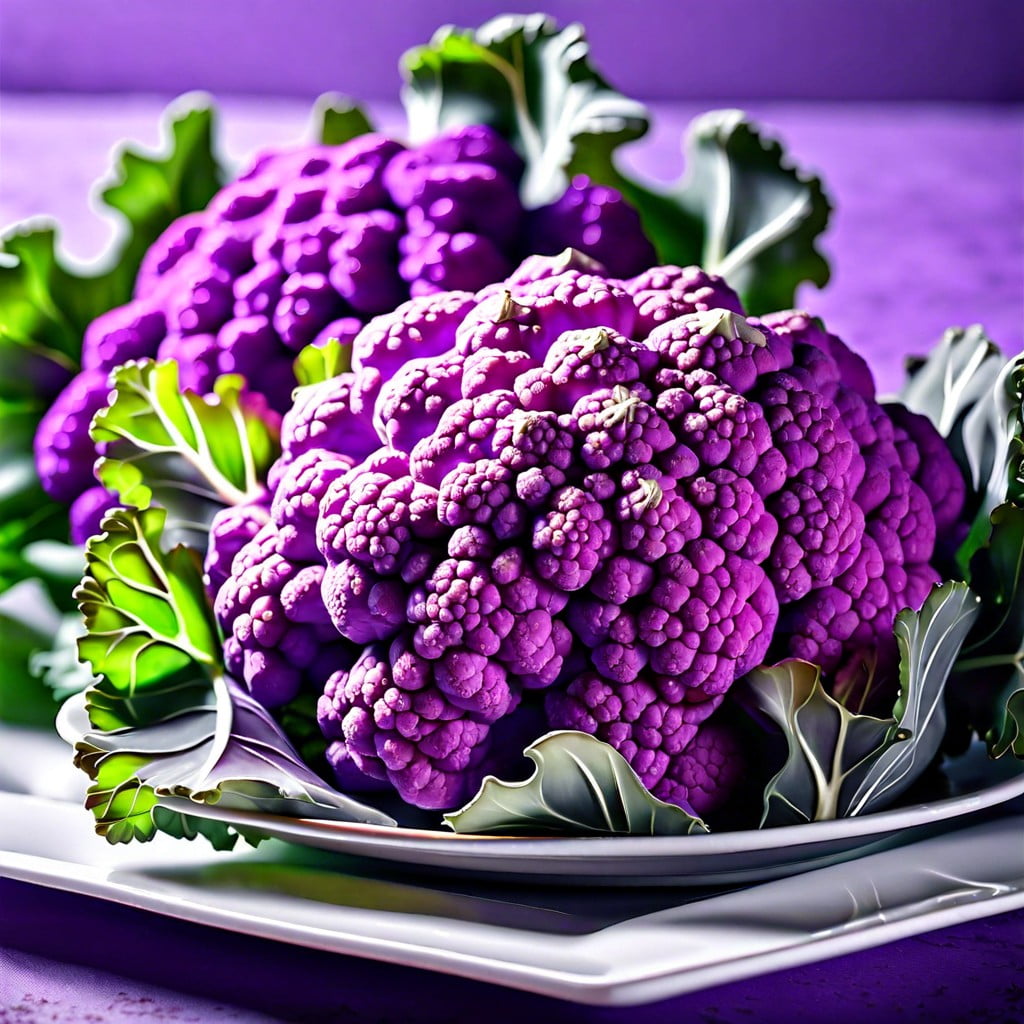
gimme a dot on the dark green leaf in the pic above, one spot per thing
(191, 454)
(337, 119)
(145, 611)
(987, 689)
(47, 307)
(531, 81)
(741, 209)
(580, 786)
(317, 363)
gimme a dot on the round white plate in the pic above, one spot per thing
(726, 857)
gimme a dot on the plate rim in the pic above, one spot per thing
(556, 848)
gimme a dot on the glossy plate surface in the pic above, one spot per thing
(723, 858)
(612, 947)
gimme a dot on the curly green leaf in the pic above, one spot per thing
(145, 612)
(206, 742)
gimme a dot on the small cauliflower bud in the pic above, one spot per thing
(232, 528)
(279, 636)
(388, 716)
(330, 416)
(64, 452)
(295, 508)
(596, 219)
(661, 294)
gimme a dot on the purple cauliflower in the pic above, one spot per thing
(309, 244)
(580, 501)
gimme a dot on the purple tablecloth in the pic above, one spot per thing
(928, 232)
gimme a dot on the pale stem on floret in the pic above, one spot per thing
(525, 422)
(594, 341)
(652, 494)
(510, 309)
(729, 325)
(623, 407)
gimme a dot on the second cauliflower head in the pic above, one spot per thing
(308, 244)
(577, 501)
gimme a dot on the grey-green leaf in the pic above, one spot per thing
(829, 746)
(211, 744)
(929, 642)
(581, 786)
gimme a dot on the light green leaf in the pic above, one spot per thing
(189, 453)
(532, 82)
(317, 363)
(337, 119)
(145, 611)
(580, 786)
(929, 641)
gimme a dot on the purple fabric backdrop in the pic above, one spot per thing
(807, 49)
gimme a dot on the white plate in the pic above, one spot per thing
(723, 858)
(699, 860)
(605, 948)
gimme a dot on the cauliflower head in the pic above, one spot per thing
(575, 500)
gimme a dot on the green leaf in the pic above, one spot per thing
(145, 611)
(203, 740)
(580, 786)
(47, 306)
(163, 723)
(317, 363)
(987, 688)
(189, 453)
(742, 209)
(337, 119)
(532, 82)
(929, 641)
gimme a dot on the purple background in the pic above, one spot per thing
(716, 49)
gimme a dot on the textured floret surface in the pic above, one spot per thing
(308, 244)
(589, 502)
